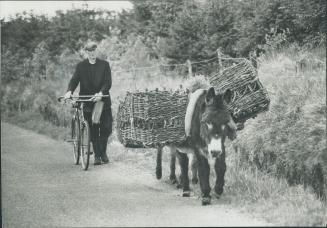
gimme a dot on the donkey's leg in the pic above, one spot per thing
(172, 176)
(194, 168)
(204, 172)
(220, 168)
(159, 163)
(183, 161)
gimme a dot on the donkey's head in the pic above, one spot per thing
(216, 122)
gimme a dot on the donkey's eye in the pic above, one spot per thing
(210, 126)
(223, 127)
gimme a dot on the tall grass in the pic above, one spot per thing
(289, 140)
(272, 198)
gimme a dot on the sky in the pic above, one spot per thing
(49, 8)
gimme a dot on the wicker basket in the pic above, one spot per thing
(250, 97)
(152, 118)
(155, 118)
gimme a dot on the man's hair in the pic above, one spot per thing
(90, 46)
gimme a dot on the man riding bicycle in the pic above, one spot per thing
(94, 77)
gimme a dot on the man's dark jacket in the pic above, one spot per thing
(92, 79)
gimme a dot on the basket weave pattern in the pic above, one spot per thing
(155, 118)
(250, 97)
(148, 119)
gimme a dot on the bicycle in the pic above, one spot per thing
(80, 130)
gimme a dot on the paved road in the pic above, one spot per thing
(41, 187)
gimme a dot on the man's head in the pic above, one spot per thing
(90, 50)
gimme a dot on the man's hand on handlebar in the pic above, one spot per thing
(68, 95)
(82, 98)
(97, 97)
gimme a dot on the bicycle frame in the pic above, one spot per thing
(81, 144)
(79, 111)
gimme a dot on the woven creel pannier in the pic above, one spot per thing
(155, 118)
(249, 95)
(152, 118)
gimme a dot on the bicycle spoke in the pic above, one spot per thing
(85, 145)
(75, 141)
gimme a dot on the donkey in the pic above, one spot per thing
(207, 124)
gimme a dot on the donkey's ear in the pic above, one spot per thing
(210, 95)
(227, 96)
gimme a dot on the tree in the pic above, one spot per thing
(220, 29)
(23, 33)
(73, 28)
(186, 35)
(154, 19)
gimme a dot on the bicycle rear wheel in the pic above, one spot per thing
(85, 144)
(75, 140)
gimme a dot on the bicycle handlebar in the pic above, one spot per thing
(77, 98)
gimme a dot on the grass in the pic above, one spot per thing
(34, 121)
(273, 198)
(291, 136)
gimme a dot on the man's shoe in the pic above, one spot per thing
(97, 161)
(105, 159)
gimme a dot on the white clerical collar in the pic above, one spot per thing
(92, 62)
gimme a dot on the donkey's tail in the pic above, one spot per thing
(159, 163)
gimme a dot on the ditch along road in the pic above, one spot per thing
(40, 186)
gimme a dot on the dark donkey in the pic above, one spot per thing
(207, 123)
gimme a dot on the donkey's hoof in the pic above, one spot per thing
(173, 180)
(195, 180)
(158, 174)
(186, 193)
(206, 201)
(216, 195)
(218, 191)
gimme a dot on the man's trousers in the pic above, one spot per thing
(100, 132)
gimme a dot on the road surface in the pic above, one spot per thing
(41, 187)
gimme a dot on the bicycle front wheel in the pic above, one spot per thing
(75, 139)
(85, 145)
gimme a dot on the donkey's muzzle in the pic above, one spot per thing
(215, 153)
